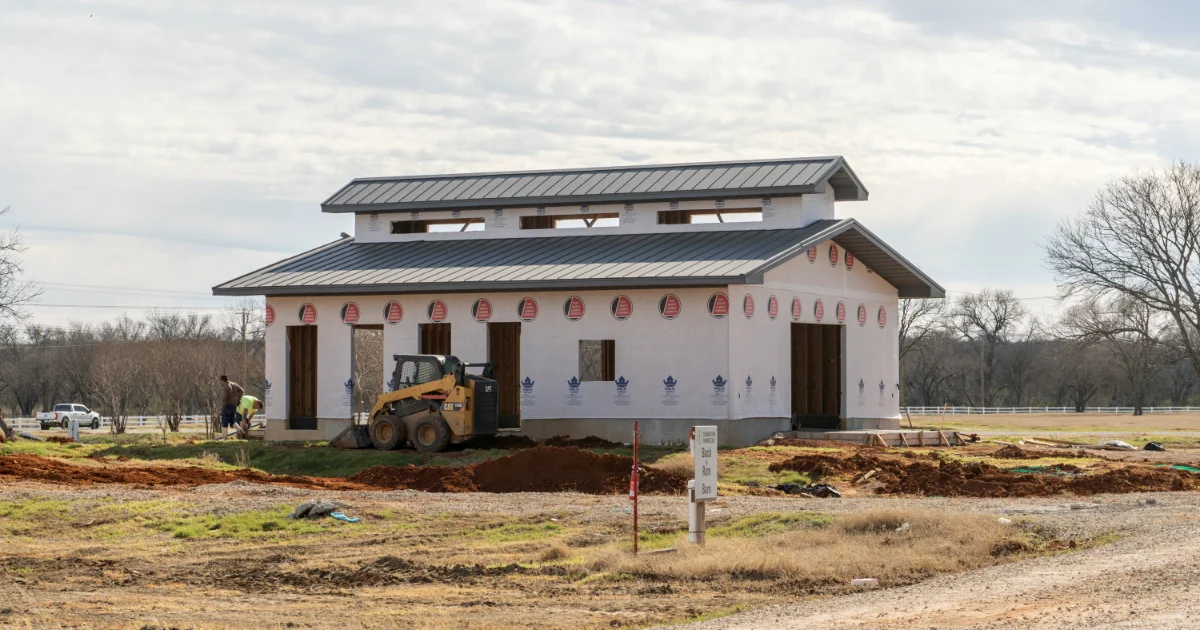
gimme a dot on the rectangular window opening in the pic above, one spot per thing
(475, 224)
(570, 221)
(732, 215)
(597, 360)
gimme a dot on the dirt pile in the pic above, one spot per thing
(948, 478)
(58, 439)
(540, 469)
(1012, 451)
(37, 468)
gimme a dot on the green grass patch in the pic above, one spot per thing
(513, 532)
(744, 471)
(242, 525)
(704, 616)
(767, 523)
(651, 541)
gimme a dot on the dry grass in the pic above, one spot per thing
(861, 545)
(680, 464)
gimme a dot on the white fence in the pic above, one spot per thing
(132, 422)
(999, 411)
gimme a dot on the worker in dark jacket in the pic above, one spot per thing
(231, 395)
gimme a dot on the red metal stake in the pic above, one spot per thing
(633, 485)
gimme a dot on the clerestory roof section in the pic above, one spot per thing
(709, 258)
(621, 184)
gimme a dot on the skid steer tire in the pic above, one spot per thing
(387, 433)
(431, 434)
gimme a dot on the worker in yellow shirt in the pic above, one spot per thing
(247, 407)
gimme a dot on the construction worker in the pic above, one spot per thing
(248, 406)
(231, 395)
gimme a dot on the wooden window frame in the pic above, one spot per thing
(608, 361)
(550, 221)
(684, 217)
(422, 226)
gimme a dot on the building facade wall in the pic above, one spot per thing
(671, 372)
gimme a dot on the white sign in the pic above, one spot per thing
(704, 451)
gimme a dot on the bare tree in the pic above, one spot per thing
(14, 292)
(1140, 240)
(118, 382)
(986, 320)
(1132, 333)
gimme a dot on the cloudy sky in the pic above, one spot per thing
(152, 149)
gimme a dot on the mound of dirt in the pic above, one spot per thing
(1012, 451)
(37, 468)
(540, 469)
(58, 439)
(590, 441)
(949, 478)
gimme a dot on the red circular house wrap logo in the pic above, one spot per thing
(882, 317)
(481, 310)
(849, 260)
(718, 305)
(621, 307)
(841, 312)
(308, 314)
(748, 306)
(772, 307)
(819, 310)
(269, 316)
(437, 311)
(573, 308)
(350, 313)
(527, 309)
(833, 255)
(669, 306)
(812, 254)
(797, 309)
(393, 312)
(862, 315)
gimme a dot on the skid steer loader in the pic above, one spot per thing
(434, 403)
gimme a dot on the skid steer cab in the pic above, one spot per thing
(435, 403)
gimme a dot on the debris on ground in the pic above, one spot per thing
(864, 582)
(923, 476)
(1116, 445)
(1190, 469)
(903, 528)
(341, 516)
(1005, 521)
(1154, 446)
(314, 509)
(30, 436)
(539, 469)
(820, 490)
(59, 439)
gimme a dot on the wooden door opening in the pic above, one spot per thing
(366, 359)
(504, 353)
(435, 339)
(302, 378)
(817, 376)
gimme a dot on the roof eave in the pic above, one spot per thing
(537, 202)
(488, 286)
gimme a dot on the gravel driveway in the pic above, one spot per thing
(1143, 580)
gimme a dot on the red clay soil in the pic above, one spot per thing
(58, 439)
(540, 469)
(37, 468)
(948, 478)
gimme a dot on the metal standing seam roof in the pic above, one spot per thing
(621, 184)
(699, 258)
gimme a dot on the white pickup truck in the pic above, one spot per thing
(63, 413)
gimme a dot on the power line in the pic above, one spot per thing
(130, 306)
(138, 289)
